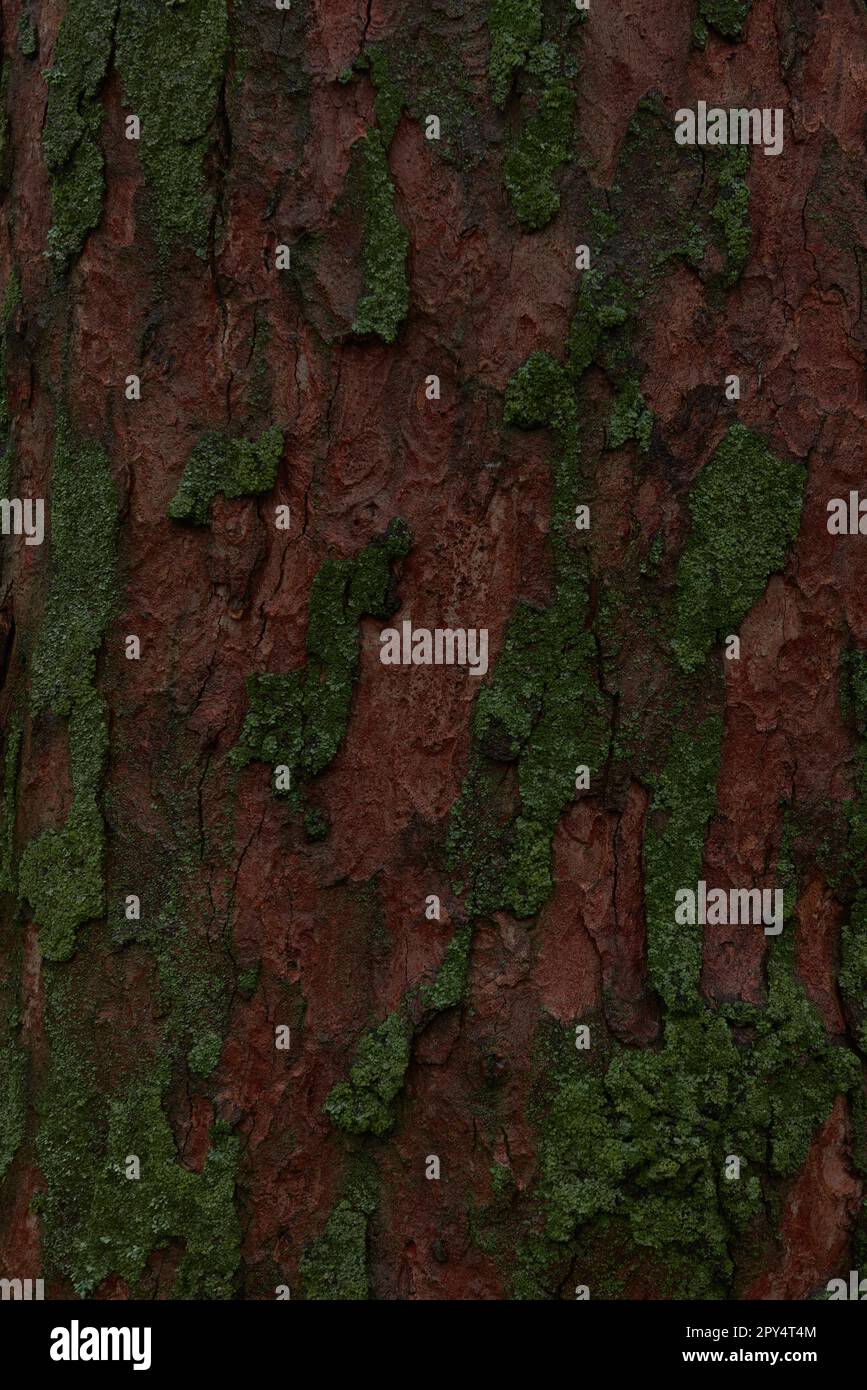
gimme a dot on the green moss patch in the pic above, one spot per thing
(13, 1104)
(82, 585)
(727, 17)
(28, 39)
(746, 511)
(542, 712)
(61, 871)
(629, 418)
(605, 305)
(543, 145)
(231, 468)
(299, 719)
(172, 60)
(96, 1220)
(677, 821)
(205, 1053)
(364, 1103)
(546, 137)
(449, 987)
(731, 211)
(334, 1267)
(645, 1141)
(384, 301)
(70, 137)
(390, 94)
(515, 27)
(61, 876)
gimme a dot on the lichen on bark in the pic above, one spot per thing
(98, 1219)
(545, 141)
(581, 287)
(334, 1266)
(746, 510)
(61, 871)
(70, 140)
(727, 17)
(644, 1142)
(230, 468)
(384, 301)
(298, 719)
(172, 62)
(171, 59)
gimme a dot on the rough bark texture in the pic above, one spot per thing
(266, 906)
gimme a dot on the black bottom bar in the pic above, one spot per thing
(234, 1339)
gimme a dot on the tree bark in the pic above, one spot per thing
(373, 979)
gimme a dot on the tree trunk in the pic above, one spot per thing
(340, 955)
